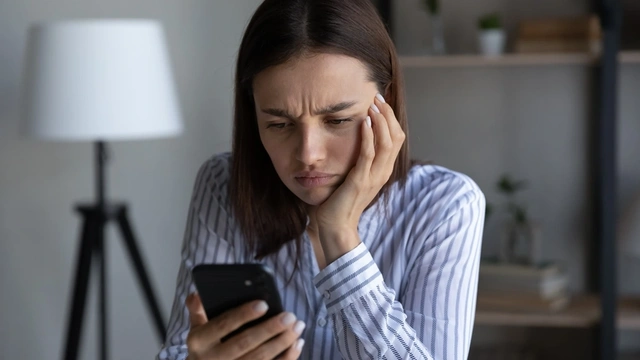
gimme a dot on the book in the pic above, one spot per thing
(494, 268)
(545, 280)
(546, 288)
(551, 45)
(582, 27)
(560, 35)
(520, 302)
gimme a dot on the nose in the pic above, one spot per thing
(311, 148)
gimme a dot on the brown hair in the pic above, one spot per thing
(270, 215)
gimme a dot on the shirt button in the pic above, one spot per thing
(326, 295)
(322, 322)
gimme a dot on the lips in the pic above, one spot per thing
(310, 179)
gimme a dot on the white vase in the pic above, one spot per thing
(492, 42)
(521, 243)
(437, 46)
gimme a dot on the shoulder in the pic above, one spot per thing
(437, 192)
(441, 182)
(213, 177)
(217, 167)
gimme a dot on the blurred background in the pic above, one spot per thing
(523, 115)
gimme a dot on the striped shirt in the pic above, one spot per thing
(408, 291)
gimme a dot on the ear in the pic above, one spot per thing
(387, 91)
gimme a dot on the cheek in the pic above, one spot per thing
(354, 151)
(268, 142)
(278, 152)
(346, 147)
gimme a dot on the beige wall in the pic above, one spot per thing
(40, 182)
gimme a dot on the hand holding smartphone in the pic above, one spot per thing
(234, 326)
(223, 287)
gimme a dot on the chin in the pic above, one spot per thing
(314, 198)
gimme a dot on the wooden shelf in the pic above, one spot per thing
(503, 60)
(629, 356)
(474, 60)
(582, 312)
(629, 314)
(630, 57)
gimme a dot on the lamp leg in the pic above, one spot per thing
(143, 278)
(101, 264)
(80, 287)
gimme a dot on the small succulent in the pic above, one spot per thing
(509, 188)
(433, 6)
(490, 21)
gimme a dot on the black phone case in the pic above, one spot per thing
(223, 287)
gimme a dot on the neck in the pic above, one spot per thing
(312, 227)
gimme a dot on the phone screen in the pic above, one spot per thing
(223, 287)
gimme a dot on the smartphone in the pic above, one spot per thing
(223, 287)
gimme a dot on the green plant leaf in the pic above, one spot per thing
(433, 6)
(521, 216)
(518, 213)
(490, 21)
(508, 186)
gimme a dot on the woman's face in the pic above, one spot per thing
(310, 112)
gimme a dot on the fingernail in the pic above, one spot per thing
(379, 97)
(299, 344)
(299, 326)
(375, 108)
(288, 319)
(261, 307)
(368, 120)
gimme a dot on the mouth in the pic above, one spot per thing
(313, 179)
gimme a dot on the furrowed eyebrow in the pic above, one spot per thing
(334, 108)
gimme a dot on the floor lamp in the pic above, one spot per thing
(99, 81)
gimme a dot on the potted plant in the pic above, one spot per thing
(437, 46)
(520, 242)
(491, 36)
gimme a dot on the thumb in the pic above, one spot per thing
(197, 316)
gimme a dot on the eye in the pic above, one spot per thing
(276, 125)
(338, 121)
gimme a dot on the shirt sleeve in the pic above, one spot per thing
(433, 316)
(207, 239)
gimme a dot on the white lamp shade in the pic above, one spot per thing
(99, 80)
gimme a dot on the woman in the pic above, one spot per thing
(377, 258)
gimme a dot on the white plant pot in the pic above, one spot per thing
(521, 243)
(492, 42)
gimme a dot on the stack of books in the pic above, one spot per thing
(560, 35)
(522, 287)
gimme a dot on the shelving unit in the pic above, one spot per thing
(629, 57)
(603, 310)
(504, 60)
(474, 60)
(582, 312)
(629, 314)
(633, 356)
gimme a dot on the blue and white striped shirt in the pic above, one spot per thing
(408, 291)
